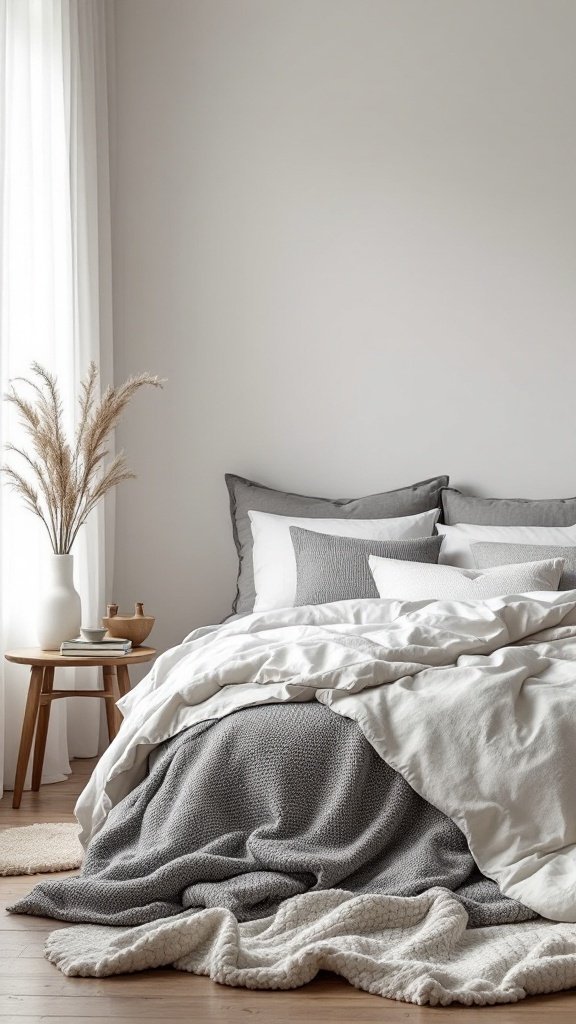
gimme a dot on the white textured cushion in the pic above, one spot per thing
(456, 546)
(416, 581)
(273, 554)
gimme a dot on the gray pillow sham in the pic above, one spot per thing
(337, 569)
(246, 495)
(462, 508)
(487, 554)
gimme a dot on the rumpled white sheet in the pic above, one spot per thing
(483, 729)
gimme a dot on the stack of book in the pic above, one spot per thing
(110, 647)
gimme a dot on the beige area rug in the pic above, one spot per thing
(37, 848)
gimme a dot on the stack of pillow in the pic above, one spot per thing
(297, 550)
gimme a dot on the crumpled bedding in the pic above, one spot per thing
(472, 703)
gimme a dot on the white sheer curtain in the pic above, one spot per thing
(55, 308)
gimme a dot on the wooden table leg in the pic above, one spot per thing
(123, 680)
(42, 727)
(109, 673)
(30, 717)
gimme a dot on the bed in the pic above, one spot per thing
(381, 786)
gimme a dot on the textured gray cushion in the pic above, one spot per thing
(462, 508)
(337, 569)
(246, 495)
(486, 555)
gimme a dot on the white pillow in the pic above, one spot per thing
(273, 552)
(417, 581)
(456, 545)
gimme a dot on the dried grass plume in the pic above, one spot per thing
(59, 479)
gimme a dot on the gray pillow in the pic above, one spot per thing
(462, 508)
(486, 555)
(337, 569)
(246, 495)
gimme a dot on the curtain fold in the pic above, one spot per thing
(55, 288)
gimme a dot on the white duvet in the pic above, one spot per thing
(473, 703)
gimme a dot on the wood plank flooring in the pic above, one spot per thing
(32, 991)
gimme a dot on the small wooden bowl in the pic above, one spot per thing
(129, 627)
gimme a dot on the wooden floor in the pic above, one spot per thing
(33, 991)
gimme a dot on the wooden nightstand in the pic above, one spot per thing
(41, 693)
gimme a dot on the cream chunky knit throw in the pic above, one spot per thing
(416, 949)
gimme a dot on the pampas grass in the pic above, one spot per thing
(61, 480)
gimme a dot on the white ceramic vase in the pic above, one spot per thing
(60, 611)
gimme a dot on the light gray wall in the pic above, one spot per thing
(344, 230)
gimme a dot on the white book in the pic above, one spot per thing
(72, 652)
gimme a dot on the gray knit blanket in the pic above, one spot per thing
(268, 803)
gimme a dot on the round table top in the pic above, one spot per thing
(35, 656)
